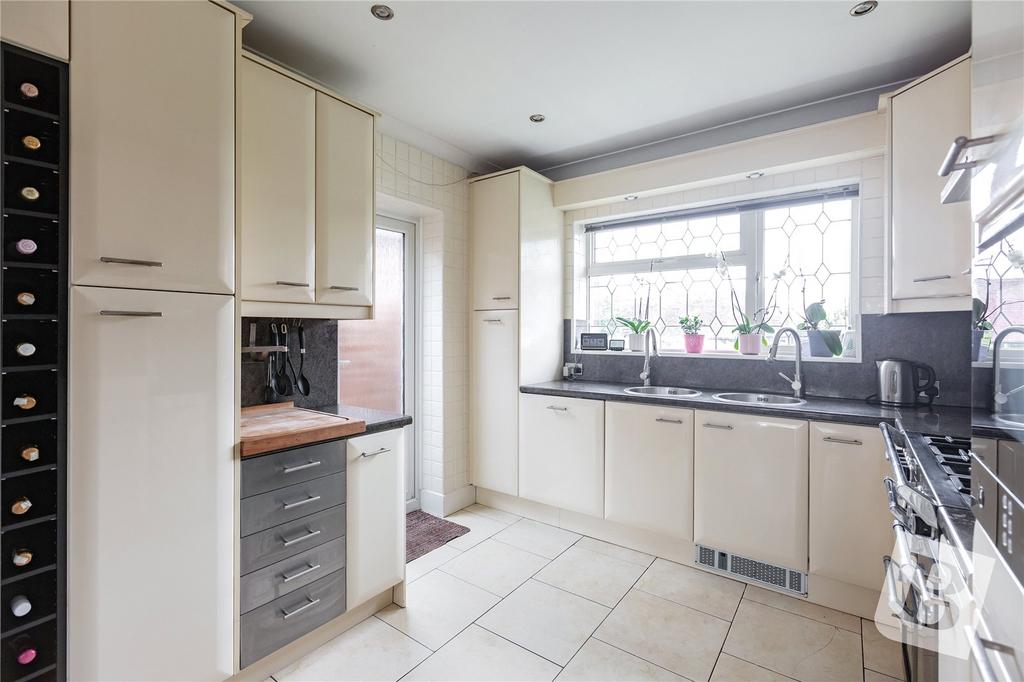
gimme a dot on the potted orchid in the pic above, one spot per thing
(750, 329)
(692, 337)
(638, 324)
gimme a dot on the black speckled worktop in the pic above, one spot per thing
(376, 420)
(952, 421)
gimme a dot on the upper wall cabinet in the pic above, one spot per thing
(931, 241)
(278, 150)
(494, 244)
(152, 88)
(37, 25)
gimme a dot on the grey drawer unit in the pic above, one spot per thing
(268, 628)
(280, 542)
(280, 469)
(277, 580)
(273, 508)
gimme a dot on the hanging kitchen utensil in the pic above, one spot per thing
(268, 390)
(282, 362)
(279, 380)
(302, 383)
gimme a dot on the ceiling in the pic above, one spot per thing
(608, 75)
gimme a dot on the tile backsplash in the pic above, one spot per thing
(321, 364)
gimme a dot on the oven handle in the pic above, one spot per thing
(910, 569)
(980, 652)
(895, 605)
(895, 509)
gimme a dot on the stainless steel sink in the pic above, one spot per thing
(663, 391)
(1015, 419)
(759, 399)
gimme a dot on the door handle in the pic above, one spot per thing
(131, 313)
(724, 427)
(302, 538)
(668, 421)
(842, 441)
(298, 574)
(291, 284)
(131, 261)
(375, 453)
(301, 467)
(293, 505)
(340, 288)
(294, 612)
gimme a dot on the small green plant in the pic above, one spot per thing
(634, 324)
(691, 325)
(980, 320)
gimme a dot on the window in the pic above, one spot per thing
(781, 253)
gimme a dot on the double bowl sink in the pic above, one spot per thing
(739, 398)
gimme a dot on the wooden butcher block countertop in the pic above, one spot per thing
(266, 428)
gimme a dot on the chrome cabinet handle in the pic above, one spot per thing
(501, 298)
(932, 279)
(374, 454)
(668, 421)
(724, 427)
(556, 408)
(131, 261)
(294, 612)
(493, 320)
(301, 538)
(300, 467)
(842, 441)
(961, 143)
(298, 574)
(980, 652)
(291, 284)
(340, 288)
(293, 505)
(131, 313)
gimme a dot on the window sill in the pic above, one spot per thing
(720, 355)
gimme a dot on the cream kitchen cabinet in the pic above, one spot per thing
(750, 487)
(375, 510)
(152, 91)
(561, 452)
(494, 241)
(151, 485)
(931, 242)
(37, 25)
(494, 395)
(648, 478)
(850, 524)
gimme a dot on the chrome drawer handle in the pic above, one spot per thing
(294, 612)
(301, 538)
(501, 298)
(293, 505)
(300, 467)
(842, 441)
(493, 321)
(338, 288)
(291, 284)
(556, 408)
(724, 427)
(961, 143)
(668, 421)
(932, 279)
(374, 454)
(131, 313)
(131, 261)
(298, 574)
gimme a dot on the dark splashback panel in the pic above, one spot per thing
(941, 340)
(321, 362)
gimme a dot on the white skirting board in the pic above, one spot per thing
(444, 504)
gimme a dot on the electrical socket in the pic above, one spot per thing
(572, 369)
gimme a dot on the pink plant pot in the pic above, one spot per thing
(750, 344)
(694, 343)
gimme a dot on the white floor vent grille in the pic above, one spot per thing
(776, 576)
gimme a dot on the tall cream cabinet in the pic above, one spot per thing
(307, 197)
(151, 485)
(648, 481)
(931, 242)
(37, 25)
(152, 156)
(516, 325)
(750, 487)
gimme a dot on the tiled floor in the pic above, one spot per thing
(515, 599)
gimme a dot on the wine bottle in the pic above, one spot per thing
(25, 401)
(30, 193)
(30, 453)
(24, 650)
(25, 247)
(26, 298)
(20, 606)
(21, 557)
(25, 349)
(28, 90)
(31, 143)
(21, 505)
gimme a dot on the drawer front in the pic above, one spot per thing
(272, 545)
(295, 501)
(270, 472)
(271, 626)
(286, 576)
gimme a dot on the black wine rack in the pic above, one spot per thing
(33, 365)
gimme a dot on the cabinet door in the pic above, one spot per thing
(152, 88)
(494, 400)
(648, 480)
(278, 124)
(850, 524)
(376, 514)
(561, 452)
(931, 241)
(750, 487)
(344, 203)
(151, 485)
(494, 242)
(37, 25)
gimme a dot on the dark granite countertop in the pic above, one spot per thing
(952, 421)
(376, 420)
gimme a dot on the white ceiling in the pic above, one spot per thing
(608, 75)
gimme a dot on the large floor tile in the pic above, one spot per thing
(493, 514)
(672, 636)
(539, 538)
(437, 607)
(480, 528)
(547, 621)
(615, 551)
(882, 650)
(597, 577)
(802, 607)
(692, 587)
(417, 568)
(476, 654)
(794, 646)
(495, 566)
(732, 669)
(600, 662)
(372, 650)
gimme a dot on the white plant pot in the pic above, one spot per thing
(635, 342)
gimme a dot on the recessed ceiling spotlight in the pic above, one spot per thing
(755, 175)
(382, 12)
(862, 8)
(537, 118)
(631, 197)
